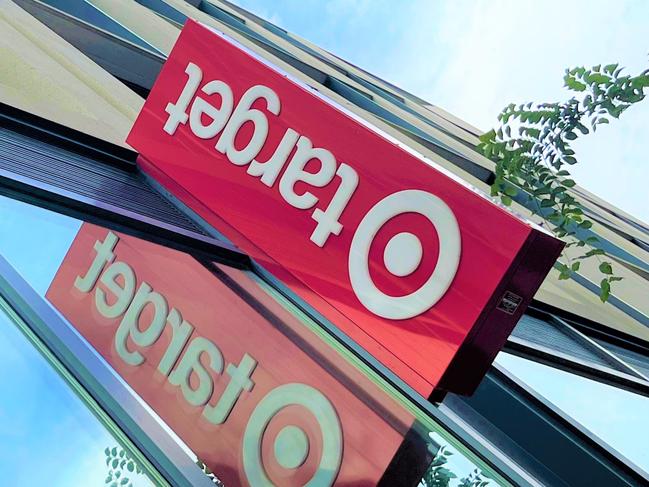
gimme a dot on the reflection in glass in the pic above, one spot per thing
(245, 316)
(448, 469)
(618, 417)
(48, 436)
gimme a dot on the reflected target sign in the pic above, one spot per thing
(253, 391)
(399, 254)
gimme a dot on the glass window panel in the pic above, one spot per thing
(244, 315)
(616, 416)
(48, 434)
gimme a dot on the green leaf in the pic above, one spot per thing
(130, 466)
(575, 266)
(570, 160)
(615, 278)
(571, 135)
(592, 252)
(511, 191)
(586, 224)
(597, 78)
(546, 203)
(605, 290)
(576, 86)
(563, 172)
(568, 183)
(487, 136)
(114, 451)
(605, 268)
(506, 200)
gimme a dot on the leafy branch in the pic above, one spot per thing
(438, 475)
(122, 467)
(532, 150)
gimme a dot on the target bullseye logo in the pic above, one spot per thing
(292, 445)
(403, 254)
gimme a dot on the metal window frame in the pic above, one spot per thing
(625, 376)
(41, 194)
(502, 396)
(113, 396)
(92, 15)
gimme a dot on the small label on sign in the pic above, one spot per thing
(509, 303)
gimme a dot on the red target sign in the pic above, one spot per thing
(401, 255)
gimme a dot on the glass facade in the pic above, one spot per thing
(614, 415)
(51, 431)
(398, 439)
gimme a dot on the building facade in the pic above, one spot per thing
(561, 405)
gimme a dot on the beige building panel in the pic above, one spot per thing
(633, 289)
(143, 22)
(43, 74)
(613, 215)
(573, 298)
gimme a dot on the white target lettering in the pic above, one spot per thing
(403, 254)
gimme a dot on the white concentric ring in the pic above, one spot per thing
(324, 413)
(448, 232)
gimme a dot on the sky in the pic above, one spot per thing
(37, 408)
(473, 57)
